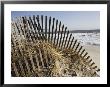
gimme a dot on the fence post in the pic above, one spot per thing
(66, 38)
(55, 31)
(52, 29)
(49, 28)
(61, 35)
(46, 27)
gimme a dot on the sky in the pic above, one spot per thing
(74, 20)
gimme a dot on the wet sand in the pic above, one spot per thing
(94, 53)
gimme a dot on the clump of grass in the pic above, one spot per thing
(62, 63)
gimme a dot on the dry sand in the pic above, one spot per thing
(94, 53)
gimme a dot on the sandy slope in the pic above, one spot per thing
(94, 53)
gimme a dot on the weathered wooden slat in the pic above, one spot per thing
(63, 37)
(17, 28)
(66, 39)
(42, 22)
(37, 61)
(30, 37)
(15, 69)
(30, 33)
(22, 31)
(16, 41)
(35, 27)
(46, 27)
(32, 62)
(92, 64)
(71, 43)
(58, 34)
(21, 67)
(25, 24)
(49, 59)
(55, 31)
(39, 27)
(87, 57)
(32, 26)
(27, 65)
(82, 52)
(21, 26)
(77, 46)
(34, 36)
(46, 59)
(42, 28)
(41, 58)
(74, 44)
(98, 70)
(94, 67)
(49, 28)
(52, 29)
(90, 61)
(86, 54)
(79, 49)
(12, 42)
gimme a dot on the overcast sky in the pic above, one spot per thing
(77, 20)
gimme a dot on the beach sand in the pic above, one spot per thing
(94, 53)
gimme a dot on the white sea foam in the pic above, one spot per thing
(88, 38)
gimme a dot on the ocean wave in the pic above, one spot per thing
(88, 38)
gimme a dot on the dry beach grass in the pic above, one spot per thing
(33, 54)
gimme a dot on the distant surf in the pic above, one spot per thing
(88, 38)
